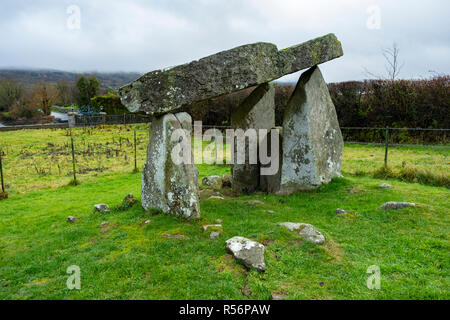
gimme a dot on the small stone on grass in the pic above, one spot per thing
(102, 208)
(397, 205)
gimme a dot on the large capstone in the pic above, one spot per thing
(168, 185)
(256, 112)
(163, 91)
(312, 139)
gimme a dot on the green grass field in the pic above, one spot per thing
(131, 260)
(38, 159)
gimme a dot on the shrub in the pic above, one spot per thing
(111, 104)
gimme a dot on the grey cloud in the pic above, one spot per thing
(146, 35)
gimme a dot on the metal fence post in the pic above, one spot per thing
(73, 161)
(1, 170)
(215, 144)
(386, 147)
(135, 152)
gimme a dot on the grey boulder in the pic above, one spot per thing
(396, 205)
(307, 231)
(214, 182)
(129, 201)
(102, 208)
(249, 253)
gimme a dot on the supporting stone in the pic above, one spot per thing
(312, 139)
(256, 112)
(270, 183)
(167, 186)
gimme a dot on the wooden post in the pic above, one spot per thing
(386, 147)
(1, 171)
(73, 162)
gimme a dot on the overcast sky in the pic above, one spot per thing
(143, 35)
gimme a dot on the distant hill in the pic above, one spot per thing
(108, 80)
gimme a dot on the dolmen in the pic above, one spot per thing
(308, 146)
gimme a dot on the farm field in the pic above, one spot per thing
(40, 159)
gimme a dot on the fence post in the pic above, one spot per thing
(73, 161)
(1, 171)
(124, 119)
(386, 147)
(215, 144)
(135, 152)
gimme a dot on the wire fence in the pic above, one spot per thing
(68, 156)
(104, 119)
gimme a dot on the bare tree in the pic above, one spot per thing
(393, 66)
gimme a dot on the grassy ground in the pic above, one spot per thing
(37, 159)
(129, 260)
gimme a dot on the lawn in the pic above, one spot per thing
(132, 260)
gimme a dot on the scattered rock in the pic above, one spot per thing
(385, 186)
(146, 222)
(219, 221)
(104, 225)
(226, 181)
(212, 226)
(355, 190)
(214, 235)
(214, 182)
(72, 219)
(270, 212)
(397, 205)
(246, 291)
(341, 211)
(249, 253)
(255, 203)
(102, 208)
(174, 236)
(216, 198)
(129, 201)
(307, 231)
(277, 296)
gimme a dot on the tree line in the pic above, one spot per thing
(21, 101)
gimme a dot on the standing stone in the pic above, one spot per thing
(256, 112)
(312, 139)
(166, 186)
(271, 183)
